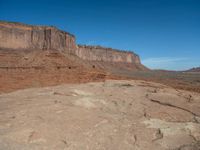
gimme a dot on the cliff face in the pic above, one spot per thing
(17, 36)
(20, 36)
(97, 53)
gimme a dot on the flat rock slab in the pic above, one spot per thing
(110, 115)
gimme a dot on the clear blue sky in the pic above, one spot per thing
(165, 33)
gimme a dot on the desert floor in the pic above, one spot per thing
(110, 115)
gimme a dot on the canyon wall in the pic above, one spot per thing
(28, 37)
(17, 36)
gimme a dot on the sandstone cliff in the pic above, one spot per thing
(17, 36)
(28, 37)
(98, 53)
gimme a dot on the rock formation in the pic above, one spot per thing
(35, 56)
(17, 36)
(98, 53)
(28, 37)
(109, 115)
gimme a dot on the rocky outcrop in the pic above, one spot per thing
(17, 36)
(98, 53)
(28, 37)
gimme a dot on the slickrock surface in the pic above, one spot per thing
(112, 115)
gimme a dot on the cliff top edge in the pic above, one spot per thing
(28, 26)
(106, 48)
(11, 24)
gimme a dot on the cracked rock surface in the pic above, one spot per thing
(110, 115)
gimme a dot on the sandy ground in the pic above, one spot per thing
(110, 115)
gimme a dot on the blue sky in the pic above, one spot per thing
(165, 33)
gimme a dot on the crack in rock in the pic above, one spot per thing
(174, 106)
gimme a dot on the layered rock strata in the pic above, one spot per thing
(27, 37)
(17, 36)
(98, 53)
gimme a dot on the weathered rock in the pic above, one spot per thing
(111, 115)
(98, 53)
(19, 36)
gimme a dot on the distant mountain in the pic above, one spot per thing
(196, 69)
